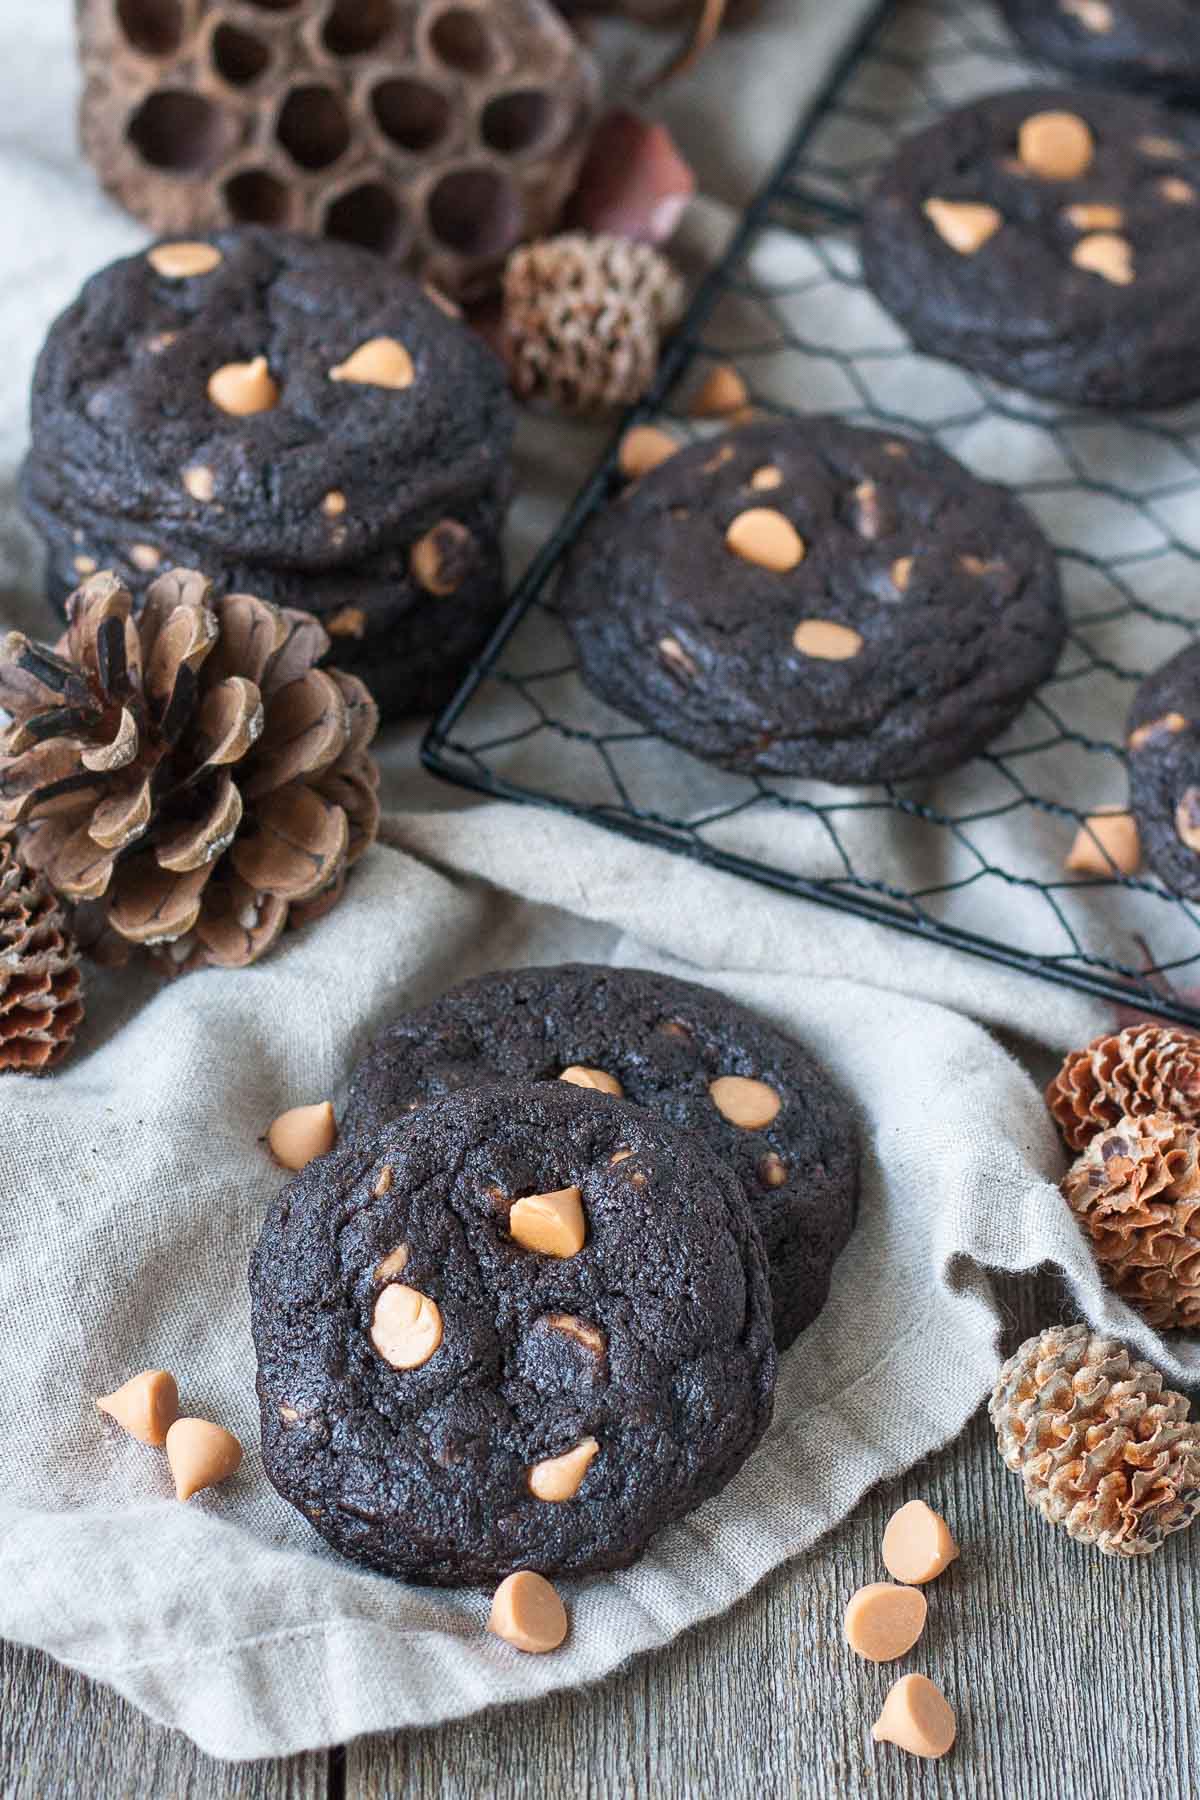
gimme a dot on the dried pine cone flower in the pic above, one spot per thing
(187, 773)
(1143, 1069)
(41, 1003)
(1101, 1447)
(584, 319)
(1136, 1192)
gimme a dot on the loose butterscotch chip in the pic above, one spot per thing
(722, 391)
(901, 572)
(1107, 255)
(827, 641)
(917, 1544)
(347, 621)
(145, 556)
(1177, 191)
(394, 1264)
(883, 1622)
(439, 559)
(406, 1326)
(302, 1133)
(146, 1406)
(199, 482)
(590, 1336)
(200, 1454)
(1155, 730)
(772, 1170)
(764, 537)
(673, 653)
(528, 1614)
(85, 565)
(592, 1078)
(745, 1102)
(1187, 819)
(1106, 843)
(643, 448)
(1095, 217)
(244, 388)
(552, 1224)
(380, 362)
(916, 1717)
(1058, 146)
(559, 1478)
(966, 225)
(766, 478)
(334, 504)
(180, 261)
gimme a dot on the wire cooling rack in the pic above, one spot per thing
(974, 860)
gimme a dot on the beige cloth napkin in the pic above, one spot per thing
(132, 1183)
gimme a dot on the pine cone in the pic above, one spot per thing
(584, 319)
(1136, 1192)
(41, 1003)
(1101, 1447)
(1143, 1069)
(189, 775)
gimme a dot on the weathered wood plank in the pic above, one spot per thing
(65, 1738)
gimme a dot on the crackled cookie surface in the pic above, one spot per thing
(1151, 44)
(697, 1059)
(1163, 743)
(1048, 238)
(808, 598)
(524, 1329)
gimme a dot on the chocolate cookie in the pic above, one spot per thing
(1149, 44)
(710, 1067)
(273, 398)
(1049, 239)
(1164, 770)
(524, 1329)
(807, 598)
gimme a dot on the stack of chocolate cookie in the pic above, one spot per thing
(295, 419)
(522, 1316)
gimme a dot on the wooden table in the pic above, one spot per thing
(1075, 1677)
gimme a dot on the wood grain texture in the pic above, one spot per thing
(1075, 1678)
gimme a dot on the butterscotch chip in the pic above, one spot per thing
(592, 1078)
(200, 1455)
(966, 225)
(674, 654)
(643, 448)
(745, 1102)
(380, 362)
(302, 1133)
(590, 1336)
(901, 573)
(244, 388)
(764, 537)
(178, 262)
(722, 391)
(145, 556)
(1095, 217)
(917, 1544)
(394, 1264)
(443, 302)
(439, 560)
(1106, 843)
(200, 482)
(334, 504)
(406, 1326)
(1095, 16)
(824, 639)
(85, 565)
(1058, 146)
(383, 1181)
(1187, 818)
(1107, 255)
(1157, 730)
(347, 621)
(766, 478)
(916, 1717)
(551, 1224)
(772, 1170)
(1177, 191)
(146, 1406)
(1161, 149)
(883, 1622)
(620, 1156)
(559, 1478)
(527, 1613)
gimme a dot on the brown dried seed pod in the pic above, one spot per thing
(1143, 1069)
(41, 999)
(1136, 1192)
(437, 132)
(584, 319)
(1102, 1448)
(188, 775)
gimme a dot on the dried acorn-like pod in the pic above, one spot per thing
(1136, 1192)
(1102, 1448)
(187, 774)
(1143, 1069)
(41, 1000)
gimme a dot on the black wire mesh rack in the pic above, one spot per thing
(977, 859)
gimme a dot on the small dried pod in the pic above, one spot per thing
(41, 993)
(1143, 1069)
(1102, 1447)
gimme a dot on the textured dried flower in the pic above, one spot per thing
(41, 1002)
(1145, 1068)
(1102, 1448)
